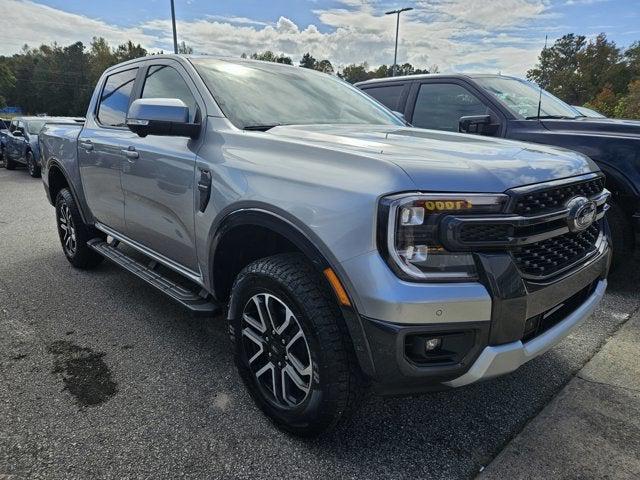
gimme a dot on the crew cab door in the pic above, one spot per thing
(159, 179)
(100, 149)
(439, 104)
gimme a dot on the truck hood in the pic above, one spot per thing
(446, 162)
(596, 126)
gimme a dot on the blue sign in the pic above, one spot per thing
(14, 110)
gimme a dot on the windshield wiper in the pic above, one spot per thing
(260, 128)
(550, 117)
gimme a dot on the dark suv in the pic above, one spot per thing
(502, 106)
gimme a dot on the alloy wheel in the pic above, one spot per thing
(276, 350)
(67, 229)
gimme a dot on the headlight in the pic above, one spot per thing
(409, 233)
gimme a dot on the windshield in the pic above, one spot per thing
(34, 127)
(255, 95)
(521, 97)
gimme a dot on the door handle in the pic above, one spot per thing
(86, 144)
(130, 153)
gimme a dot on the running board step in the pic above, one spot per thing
(187, 298)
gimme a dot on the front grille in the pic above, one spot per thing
(485, 232)
(549, 256)
(554, 198)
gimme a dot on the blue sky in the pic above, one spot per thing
(460, 35)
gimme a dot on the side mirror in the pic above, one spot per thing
(18, 132)
(478, 124)
(161, 116)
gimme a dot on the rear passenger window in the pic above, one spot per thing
(440, 105)
(388, 95)
(114, 101)
(163, 81)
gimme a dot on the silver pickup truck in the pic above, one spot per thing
(351, 253)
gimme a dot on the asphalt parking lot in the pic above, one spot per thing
(101, 376)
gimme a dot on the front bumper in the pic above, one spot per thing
(502, 359)
(491, 316)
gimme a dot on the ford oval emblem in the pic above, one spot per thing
(582, 213)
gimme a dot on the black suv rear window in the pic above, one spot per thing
(388, 95)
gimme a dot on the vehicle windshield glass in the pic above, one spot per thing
(521, 97)
(255, 94)
(35, 126)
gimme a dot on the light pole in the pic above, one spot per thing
(173, 22)
(395, 55)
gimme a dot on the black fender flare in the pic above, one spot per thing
(54, 164)
(311, 246)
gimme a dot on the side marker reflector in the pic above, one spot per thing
(343, 298)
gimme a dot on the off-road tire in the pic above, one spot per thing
(81, 255)
(337, 384)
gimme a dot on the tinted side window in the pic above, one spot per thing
(163, 81)
(114, 101)
(440, 105)
(388, 95)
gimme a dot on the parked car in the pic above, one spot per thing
(350, 252)
(4, 131)
(588, 112)
(22, 142)
(502, 106)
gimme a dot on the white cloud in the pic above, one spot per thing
(32, 23)
(484, 36)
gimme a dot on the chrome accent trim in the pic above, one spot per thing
(502, 359)
(190, 274)
(552, 184)
(453, 225)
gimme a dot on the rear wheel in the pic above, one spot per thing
(622, 236)
(291, 348)
(74, 233)
(32, 165)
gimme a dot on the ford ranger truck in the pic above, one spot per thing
(351, 253)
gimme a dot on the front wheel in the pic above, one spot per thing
(8, 163)
(74, 233)
(32, 166)
(291, 347)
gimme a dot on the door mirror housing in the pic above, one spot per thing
(18, 132)
(478, 124)
(161, 116)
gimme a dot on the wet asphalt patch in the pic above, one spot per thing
(85, 374)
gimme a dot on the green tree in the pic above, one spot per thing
(355, 73)
(184, 48)
(557, 68)
(129, 51)
(307, 61)
(629, 105)
(7, 82)
(324, 66)
(605, 101)
(600, 63)
(269, 56)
